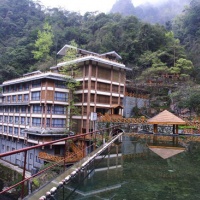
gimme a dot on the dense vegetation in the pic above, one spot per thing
(31, 35)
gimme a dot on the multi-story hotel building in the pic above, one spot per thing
(34, 108)
(33, 111)
(102, 84)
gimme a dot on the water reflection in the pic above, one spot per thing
(132, 170)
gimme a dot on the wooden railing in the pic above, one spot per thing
(50, 157)
(70, 157)
(120, 119)
(142, 96)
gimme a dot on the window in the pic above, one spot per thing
(10, 119)
(5, 119)
(22, 132)
(14, 88)
(5, 129)
(60, 84)
(9, 89)
(48, 109)
(1, 109)
(59, 123)
(11, 109)
(35, 95)
(14, 98)
(10, 130)
(37, 159)
(29, 109)
(15, 131)
(20, 87)
(37, 109)
(20, 98)
(3, 146)
(17, 109)
(16, 120)
(6, 109)
(48, 122)
(5, 89)
(36, 121)
(7, 148)
(61, 96)
(27, 120)
(26, 86)
(22, 120)
(1, 118)
(23, 109)
(59, 110)
(1, 128)
(26, 97)
(8, 99)
(36, 83)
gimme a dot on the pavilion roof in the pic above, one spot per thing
(166, 117)
(116, 106)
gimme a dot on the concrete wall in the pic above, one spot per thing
(18, 159)
(130, 102)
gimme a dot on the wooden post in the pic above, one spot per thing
(174, 131)
(155, 130)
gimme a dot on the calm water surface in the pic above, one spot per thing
(137, 169)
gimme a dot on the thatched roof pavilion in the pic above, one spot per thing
(166, 118)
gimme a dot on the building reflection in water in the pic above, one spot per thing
(139, 167)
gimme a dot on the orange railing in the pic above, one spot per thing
(76, 154)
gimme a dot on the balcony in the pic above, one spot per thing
(13, 103)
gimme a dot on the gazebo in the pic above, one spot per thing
(166, 118)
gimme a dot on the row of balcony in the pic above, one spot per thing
(20, 101)
(34, 124)
(28, 85)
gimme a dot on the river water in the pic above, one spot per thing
(9, 177)
(140, 168)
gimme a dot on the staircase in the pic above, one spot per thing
(70, 156)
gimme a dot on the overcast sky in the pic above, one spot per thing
(83, 6)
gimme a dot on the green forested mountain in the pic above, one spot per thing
(31, 35)
(162, 12)
(19, 24)
(187, 28)
(140, 44)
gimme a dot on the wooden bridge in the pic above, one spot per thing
(77, 147)
(193, 125)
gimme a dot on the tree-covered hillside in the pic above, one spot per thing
(187, 28)
(140, 44)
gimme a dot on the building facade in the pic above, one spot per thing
(102, 85)
(35, 108)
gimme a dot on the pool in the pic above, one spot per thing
(139, 168)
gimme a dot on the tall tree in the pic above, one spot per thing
(43, 43)
(71, 70)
